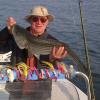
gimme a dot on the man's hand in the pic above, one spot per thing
(59, 52)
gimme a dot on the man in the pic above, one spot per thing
(39, 20)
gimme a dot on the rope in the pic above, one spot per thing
(86, 51)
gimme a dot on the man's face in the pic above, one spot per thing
(39, 24)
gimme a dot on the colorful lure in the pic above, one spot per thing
(49, 65)
(23, 68)
(10, 74)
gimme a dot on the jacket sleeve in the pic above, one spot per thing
(18, 55)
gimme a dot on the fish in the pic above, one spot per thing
(37, 46)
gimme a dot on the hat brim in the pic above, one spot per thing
(29, 18)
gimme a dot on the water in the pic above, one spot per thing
(66, 25)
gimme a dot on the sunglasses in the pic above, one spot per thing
(37, 18)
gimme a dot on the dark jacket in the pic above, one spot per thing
(8, 44)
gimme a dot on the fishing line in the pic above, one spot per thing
(86, 50)
(85, 43)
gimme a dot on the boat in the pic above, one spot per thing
(45, 89)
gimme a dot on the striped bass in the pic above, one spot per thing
(43, 46)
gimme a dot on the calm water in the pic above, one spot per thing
(66, 25)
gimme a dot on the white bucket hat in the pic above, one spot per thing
(39, 11)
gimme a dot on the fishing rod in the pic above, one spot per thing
(86, 51)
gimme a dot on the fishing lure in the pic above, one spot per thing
(10, 75)
(49, 65)
(24, 67)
